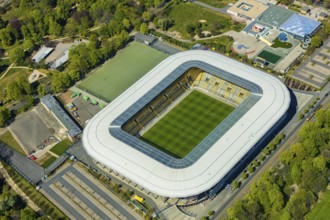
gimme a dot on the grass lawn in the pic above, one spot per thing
(61, 147)
(12, 75)
(8, 139)
(119, 73)
(270, 57)
(187, 124)
(184, 14)
(321, 209)
(279, 44)
(47, 160)
(217, 3)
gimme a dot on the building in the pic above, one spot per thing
(52, 106)
(247, 9)
(215, 161)
(282, 19)
(299, 26)
(60, 61)
(41, 54)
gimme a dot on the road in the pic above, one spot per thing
(31, 171)
(292, 130)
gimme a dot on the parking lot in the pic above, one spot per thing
(81, 196)
(85, 110)
(30, 130)
(316, 70)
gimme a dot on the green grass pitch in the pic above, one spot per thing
(187, 124)
(119, 73)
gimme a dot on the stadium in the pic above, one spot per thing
(186, 127)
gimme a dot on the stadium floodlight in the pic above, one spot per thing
(204, 168)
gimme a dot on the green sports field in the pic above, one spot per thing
(187, 124)
(270, 57)
(321, 210)
(119, 73)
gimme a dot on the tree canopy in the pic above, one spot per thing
(293, 187)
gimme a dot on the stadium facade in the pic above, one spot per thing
(213, 162)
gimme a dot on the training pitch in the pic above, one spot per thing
(270, 57)
(119, 73)
(187, 124)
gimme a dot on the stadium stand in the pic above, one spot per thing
(193, 78)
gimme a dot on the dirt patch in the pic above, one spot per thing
(66, 97)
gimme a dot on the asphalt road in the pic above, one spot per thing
(31, 171)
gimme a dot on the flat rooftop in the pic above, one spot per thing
(275, 16)
(248, 8)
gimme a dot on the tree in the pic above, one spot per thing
(17, 55)
(28, 45)
(16, 90)
(4, 116)
(300, 203)
(127, 24)
(27, 214)
(55, 28)
(60, 82)
(236, 184)
(320, 163)
(296, 173)
(316, 41)
(146, 16)
(143, 28)
(41, 90)
(6, 37)
(250, 168)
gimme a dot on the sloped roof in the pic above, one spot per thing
(41, 54)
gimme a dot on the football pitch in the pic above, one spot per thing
(120, 72)
(187, 124)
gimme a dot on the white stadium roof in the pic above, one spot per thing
(207, 170)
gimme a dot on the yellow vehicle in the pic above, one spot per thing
(138, 198)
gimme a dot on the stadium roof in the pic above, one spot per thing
(252, 11)
(300, 25)
(275, 16)
(41, 54)
(212, 165)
